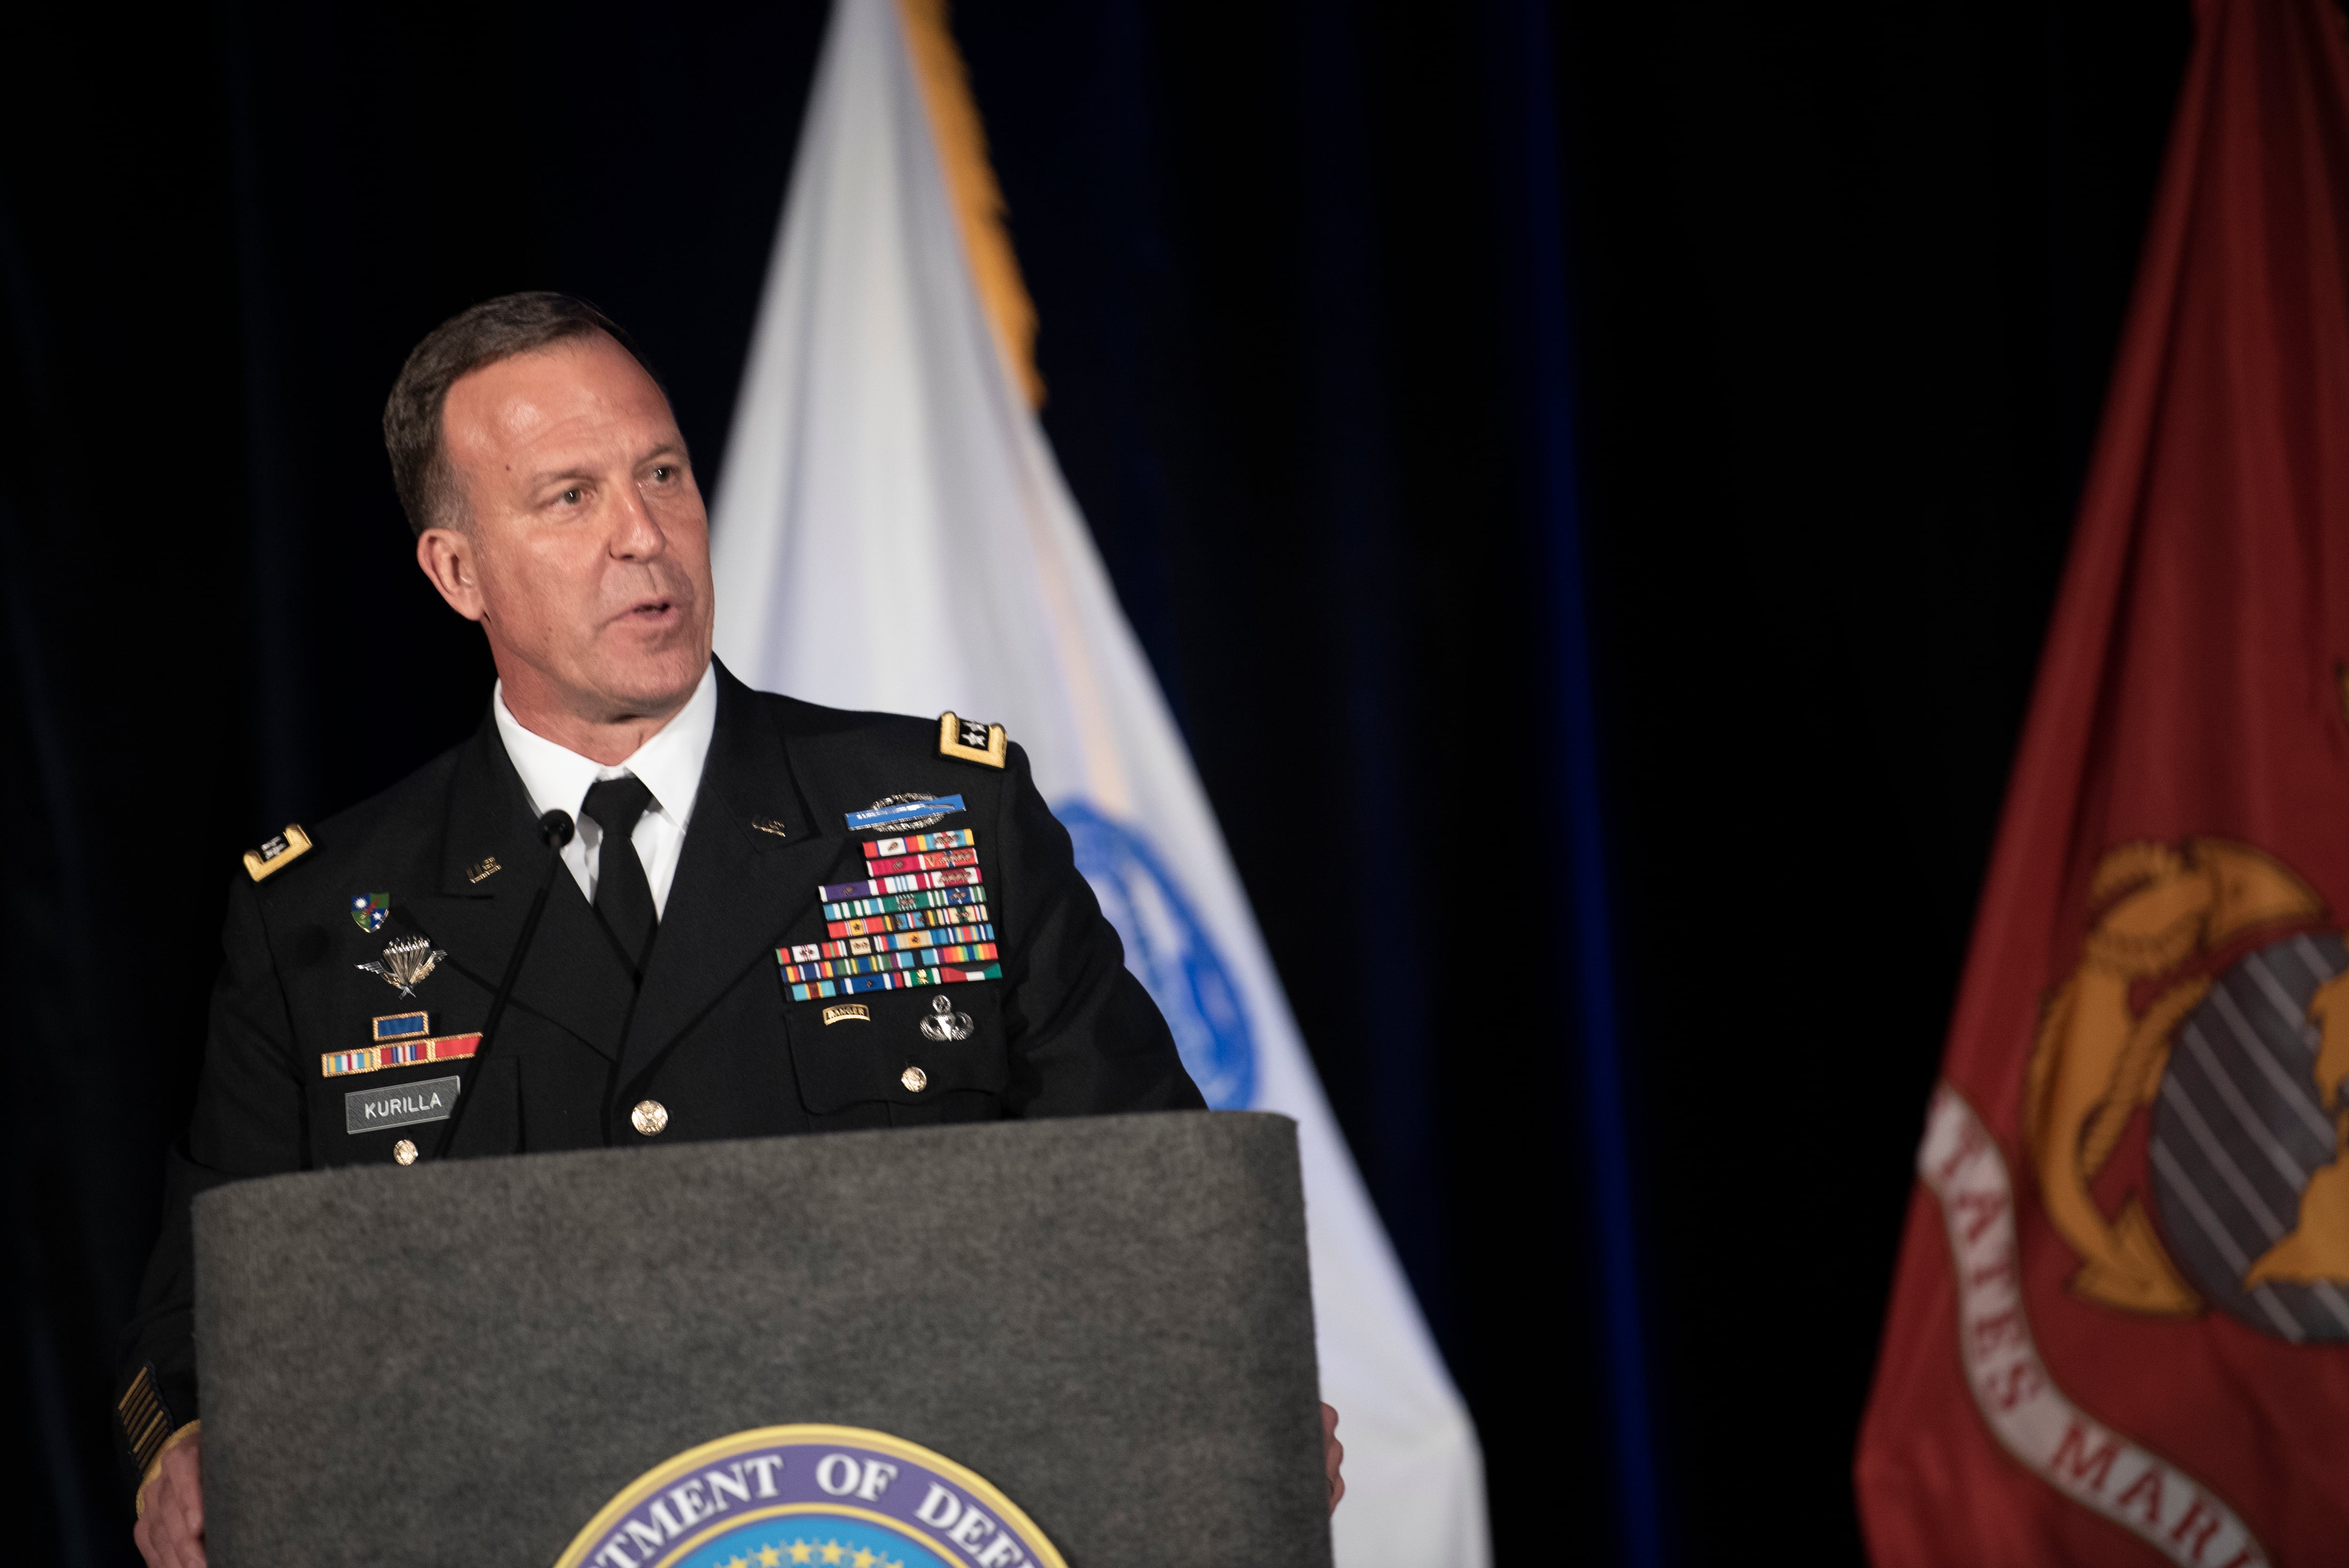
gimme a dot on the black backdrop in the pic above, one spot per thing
(1844, 285)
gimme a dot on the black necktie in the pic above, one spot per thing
(623, 897)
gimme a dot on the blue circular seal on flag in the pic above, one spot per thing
(1169, 950)
(839, 1497)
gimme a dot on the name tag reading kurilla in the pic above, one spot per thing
(400, 1105)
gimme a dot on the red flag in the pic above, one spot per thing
(2120, 1328)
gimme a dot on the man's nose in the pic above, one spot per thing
(635, 536)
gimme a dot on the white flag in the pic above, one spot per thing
(893, 533)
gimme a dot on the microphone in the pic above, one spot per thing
(555, 831)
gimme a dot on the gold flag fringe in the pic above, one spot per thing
(971, 186)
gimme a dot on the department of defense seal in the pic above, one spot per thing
(810, 1494)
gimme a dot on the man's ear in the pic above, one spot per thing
(449, 559)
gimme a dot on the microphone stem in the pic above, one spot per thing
(555, 828)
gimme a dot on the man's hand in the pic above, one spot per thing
(1333, 1454)
(170, 1531)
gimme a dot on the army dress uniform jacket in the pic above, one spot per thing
(711, 1034)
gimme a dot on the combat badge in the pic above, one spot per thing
(904, 812)
(370, 910)
(969, 740)
(279, 852)
(405, 964)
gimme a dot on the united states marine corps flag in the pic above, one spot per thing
(2120, 1330)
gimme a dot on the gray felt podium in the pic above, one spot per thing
(463, 1362)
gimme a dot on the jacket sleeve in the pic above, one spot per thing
(248, 1121)
(1086, 1038)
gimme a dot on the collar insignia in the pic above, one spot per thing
(279, 852)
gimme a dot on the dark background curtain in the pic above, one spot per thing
(1841, 288)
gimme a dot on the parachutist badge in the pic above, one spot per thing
(406, 962)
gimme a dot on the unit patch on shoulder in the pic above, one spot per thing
(277, 854)
(970, 741)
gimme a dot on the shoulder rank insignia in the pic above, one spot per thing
(971, 741)
(277, 854)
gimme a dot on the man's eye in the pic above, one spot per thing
(664, 473)
(573, 496)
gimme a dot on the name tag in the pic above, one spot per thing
(403, 1105)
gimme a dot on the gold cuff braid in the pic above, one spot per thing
(155, 1465)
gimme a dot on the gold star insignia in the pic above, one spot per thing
(768, 1557)
(864, 1559)
(801, 1552)
(831, 1551)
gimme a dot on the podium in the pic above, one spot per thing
(465, 1362)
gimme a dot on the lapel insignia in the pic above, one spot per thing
(969, 740)
(903, 811)
(483, 871)
(848, 1013)
(279, 852)
(370, 910)
(406, 962)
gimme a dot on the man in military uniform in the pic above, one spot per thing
(714, 913)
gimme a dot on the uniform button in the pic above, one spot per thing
(404, 1151)
(651, 1116)
(915, 1079)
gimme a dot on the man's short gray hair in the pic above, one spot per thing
(495, 329)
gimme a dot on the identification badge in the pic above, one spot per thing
(400, 1105)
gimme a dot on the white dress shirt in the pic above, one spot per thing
(669, 764)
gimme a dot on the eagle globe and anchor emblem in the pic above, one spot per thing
(836, 1497)
(2209, 990)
